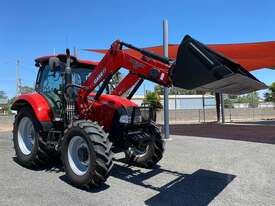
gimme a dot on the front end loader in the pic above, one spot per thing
(76, 112)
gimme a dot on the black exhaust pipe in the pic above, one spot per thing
(68, 75)
(70, 107)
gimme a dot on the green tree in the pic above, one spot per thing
(152, 99)
(159, 89)
(267, 97)
(8, 106)
(3, 95)
(26, 89)
(252, 99)
(270, 95)
(228, 103)
(179, 91)
(175, 90)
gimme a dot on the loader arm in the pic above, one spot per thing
(139, 68)
(125, 84)
(196, 67)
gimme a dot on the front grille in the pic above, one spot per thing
(146, 114)
(70, 111)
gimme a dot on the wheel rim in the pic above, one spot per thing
(140, 150)
(78, 155)
(26, 135)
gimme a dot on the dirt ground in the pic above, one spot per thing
(6, 123)
(254, 131)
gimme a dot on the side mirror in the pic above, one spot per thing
(54, 62)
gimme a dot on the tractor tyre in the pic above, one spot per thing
(147, 155)
(86, 154)
(28, 143)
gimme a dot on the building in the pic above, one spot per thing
(184, 101)
(266, 105)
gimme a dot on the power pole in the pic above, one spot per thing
(75, 52)
(166, 98)
(18, 82)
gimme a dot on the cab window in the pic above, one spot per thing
(51, 81)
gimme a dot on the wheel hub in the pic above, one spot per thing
(83, 154)
(78, 155)
(26, 135)
(140, 145)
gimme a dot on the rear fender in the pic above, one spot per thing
(39, 106)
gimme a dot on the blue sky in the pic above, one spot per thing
(29, 29)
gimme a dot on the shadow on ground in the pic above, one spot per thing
(262, 122)
(264, 132)
(198, 188)
(54, 166)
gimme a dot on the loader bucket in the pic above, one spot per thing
(200, 68)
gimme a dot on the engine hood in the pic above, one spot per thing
(116, 101)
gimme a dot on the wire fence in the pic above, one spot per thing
(210, 115)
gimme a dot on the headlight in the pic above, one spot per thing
(124, 119)
(127, 118)
(138, 118)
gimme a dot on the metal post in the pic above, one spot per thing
(17, 78)
(218, 108)
(144, 90)
(222, 108)
(203, 107)
(75, 52)
(199, 115)
(166, 100)
(175, 107)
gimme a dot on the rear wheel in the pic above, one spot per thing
(86, 154)
(28, 143)
(146, 153)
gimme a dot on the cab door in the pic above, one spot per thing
(50, 84)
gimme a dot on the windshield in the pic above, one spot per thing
(80, 75)
(51, 81)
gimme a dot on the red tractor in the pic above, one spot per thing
(76, 113)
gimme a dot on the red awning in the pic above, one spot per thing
(251, 56)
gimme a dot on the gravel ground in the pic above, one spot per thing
(194, 171)
(6, 123)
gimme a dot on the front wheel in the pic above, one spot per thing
(146, 153)
(86, 154)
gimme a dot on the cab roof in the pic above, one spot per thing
(76, 62)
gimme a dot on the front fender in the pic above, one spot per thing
(37, 102)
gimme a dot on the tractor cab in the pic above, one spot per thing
(50, 82)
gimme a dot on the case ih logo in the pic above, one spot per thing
(136, 64)
(100, 75)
